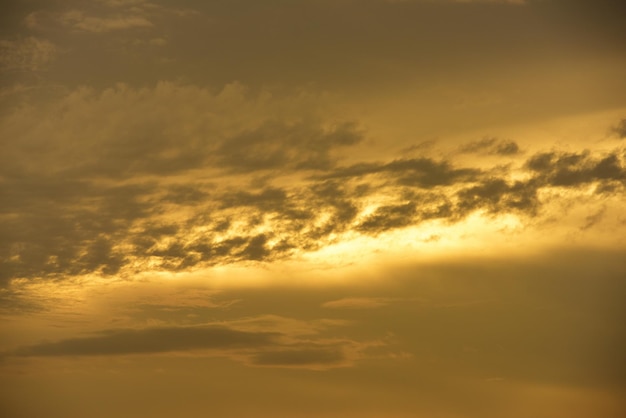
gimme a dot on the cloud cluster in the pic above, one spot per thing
(575, 169)
(177, 177)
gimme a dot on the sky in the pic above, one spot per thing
(312, 208)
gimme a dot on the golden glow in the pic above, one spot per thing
(373, 209)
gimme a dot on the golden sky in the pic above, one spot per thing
(312, 208)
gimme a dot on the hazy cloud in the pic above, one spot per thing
(150, 340)
(102, 16)
(300, 357)
(356, 303)
(281, 146)
(27, 54)
(79, 20)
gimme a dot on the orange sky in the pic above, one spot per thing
(315, 208)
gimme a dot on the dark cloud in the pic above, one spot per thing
(499, 196)
(228, 180)
(62, 227)
(389, 217)
(573, 169)
(256, 248)
(490, 145)
(150, 340)
(55, 227)
(620, 129)
(417, 172)
(264, 343)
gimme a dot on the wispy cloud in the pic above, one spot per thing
(491, 145)
(104, 16)
(357, 303)
(81, 21)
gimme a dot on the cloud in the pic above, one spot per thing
(389, 217)
(491, 146)
(267, 340)
(356, 303)
(104, 16)
(498, 196)
(176, 177)
(27, 54)
(279, 145)
(620, 129)
(576, 168)
(79, 20)
(173, 128)
(593, 219)
(418, 172)
(300, 357)
(149, 340)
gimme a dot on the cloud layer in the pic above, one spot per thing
(116, 182)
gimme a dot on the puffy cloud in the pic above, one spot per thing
(576, 168)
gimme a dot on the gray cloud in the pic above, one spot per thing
(491, 145)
